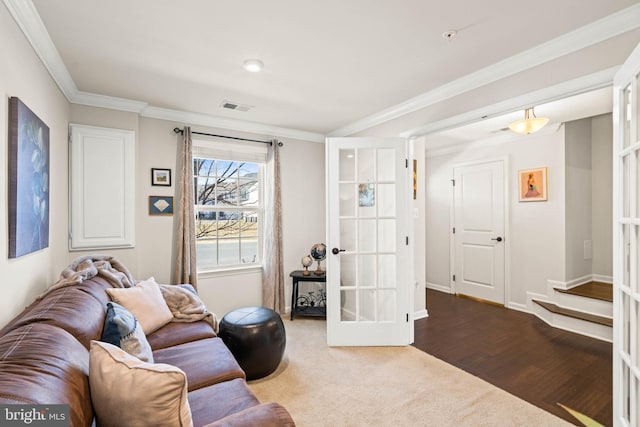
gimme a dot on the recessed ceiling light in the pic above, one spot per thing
(253, 65)
(449, 35)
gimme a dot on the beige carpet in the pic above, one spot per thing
(384, 386)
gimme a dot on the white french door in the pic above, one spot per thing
(479, 207)
(626, 243)
(369, 300)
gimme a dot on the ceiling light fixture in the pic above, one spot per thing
(529, 124)
(253, 65)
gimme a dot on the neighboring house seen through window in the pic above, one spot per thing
(228, 210)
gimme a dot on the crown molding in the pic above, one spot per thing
(229, 124)
(27, 18)
(603, 29)
(563, 90)
(111, 102)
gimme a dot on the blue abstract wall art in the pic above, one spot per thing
(28, 180)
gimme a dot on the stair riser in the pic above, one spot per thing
(580, 303)
(582, 327)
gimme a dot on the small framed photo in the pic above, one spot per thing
(533, 185)
(161, 177)
(160, 205)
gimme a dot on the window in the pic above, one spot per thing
(228, 210)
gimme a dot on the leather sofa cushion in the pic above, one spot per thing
(175, 333)
(214, 402)
(206, 362)
(43, 364)
(264, 415)
(78, 309)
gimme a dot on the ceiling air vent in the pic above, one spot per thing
(235, 106)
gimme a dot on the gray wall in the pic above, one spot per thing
(577, 197)
(602, 196)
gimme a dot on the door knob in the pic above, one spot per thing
(497, 239)
(336, 251)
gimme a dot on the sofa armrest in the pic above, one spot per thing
(263, 415)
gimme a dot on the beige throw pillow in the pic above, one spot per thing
(126, 391)
(145, 302)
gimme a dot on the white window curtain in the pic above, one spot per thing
(186, 270)
(273, 271)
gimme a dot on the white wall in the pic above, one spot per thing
(602, 197)
(536, 229)
(578, 198)
(22, 75)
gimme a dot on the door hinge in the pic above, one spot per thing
(454, 230)
(407, 317)
(453, 182)
(454, 277)
(407, 240)
(406, 163)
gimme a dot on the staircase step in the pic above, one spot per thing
(595, 290)
(575, 314)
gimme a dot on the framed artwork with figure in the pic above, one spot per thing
(533, 185)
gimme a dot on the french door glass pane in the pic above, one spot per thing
(386, 199)
(348, 270)
(348, 234)
(366, 164)
(347, 305)
(626, 324)
(626, 407)
(347, 170)
(386, 235)
(348, 199)
(386, 271)
(366, 271)
(627, 115)
(367, 200)
(386, 165)
(626, 271)
(367, 306)
(626, 181)
(367, 235)
(386, 306)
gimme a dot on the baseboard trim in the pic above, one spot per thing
(557, 284)
(518, 307)
(602, 278)
(441, 288)
(420, 314)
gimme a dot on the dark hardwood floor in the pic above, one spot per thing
(520, 354)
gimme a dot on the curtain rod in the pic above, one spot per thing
(178, 130)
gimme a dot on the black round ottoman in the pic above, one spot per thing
(256, 337)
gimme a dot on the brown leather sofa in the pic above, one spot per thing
(44, 359)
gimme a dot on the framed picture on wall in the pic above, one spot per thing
(161, 177)
(28, 180)
(160, 205)
(532, 185)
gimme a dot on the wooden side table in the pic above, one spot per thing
(311, 304)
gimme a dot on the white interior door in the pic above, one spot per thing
(626, 243)
(369, 267)
(479, 231)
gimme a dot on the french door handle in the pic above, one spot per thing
(497, 239)
(336, 251)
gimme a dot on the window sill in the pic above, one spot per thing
(232, 271)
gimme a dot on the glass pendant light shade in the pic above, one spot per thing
(529, 124)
